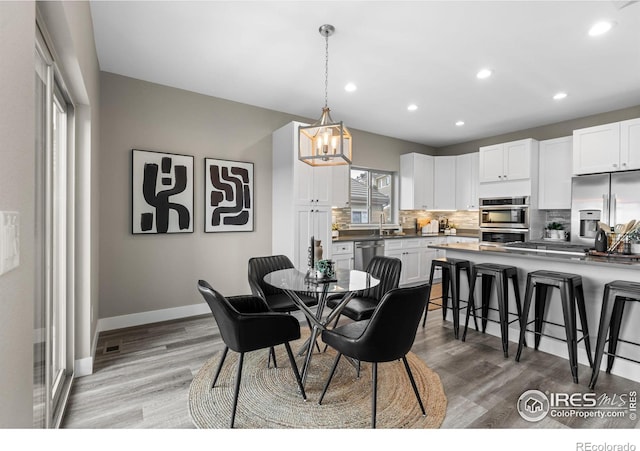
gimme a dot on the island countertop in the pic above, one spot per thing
(596, 272)
(488, 249)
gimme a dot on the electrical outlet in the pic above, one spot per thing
(9, 241)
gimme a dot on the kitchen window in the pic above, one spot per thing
(371, 196)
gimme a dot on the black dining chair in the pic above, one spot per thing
(276, 299)
(363, 304)
(388, 335)
(247, 324)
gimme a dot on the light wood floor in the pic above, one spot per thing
(145, 382)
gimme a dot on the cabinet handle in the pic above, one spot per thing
(624, 164)
(500, 177)
(615, 165)
(504, 176)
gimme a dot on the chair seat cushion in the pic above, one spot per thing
(358, 308)
(281, 302)
(344, 339)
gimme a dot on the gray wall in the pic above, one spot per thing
(17, 134)
(143, 272)
(545, 132)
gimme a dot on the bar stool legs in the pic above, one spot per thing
(450, 281)
(572, 296)
(616, 294)
(501, 273)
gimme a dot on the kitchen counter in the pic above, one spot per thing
(611, 262)
(370, 237)
(595, 272)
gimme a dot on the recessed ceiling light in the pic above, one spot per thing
(412, 107)
(600, 28)
(484, 73)
(460, 123)
(350, 87)
(560, 95)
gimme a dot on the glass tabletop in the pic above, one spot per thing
(345, 281)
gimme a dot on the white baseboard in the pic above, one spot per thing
(83, 367)
(154, 316)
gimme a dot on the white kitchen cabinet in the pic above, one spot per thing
(316, 222)
(596, 149)
(630, 144)
(554, 180)
(467, 172)
(408, 252)
(301, 199)
(416, 182)
(444, 183)
(607, 148)
(506, 162)
(341, 186)
(312, 183)
(342, 254)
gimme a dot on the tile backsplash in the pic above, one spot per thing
(462, 219)
(467, 220)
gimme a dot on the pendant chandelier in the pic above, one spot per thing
(325, 142)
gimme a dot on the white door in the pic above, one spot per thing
(444, 183)
(491, 163)
(411, 266)
(554, 180)
(596, 149)
(517, 160)
(630, 144)
(53, 310)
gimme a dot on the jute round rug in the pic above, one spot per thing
(269, 397)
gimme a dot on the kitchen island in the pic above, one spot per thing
(595, 272)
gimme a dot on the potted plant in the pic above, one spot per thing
(634, 239)
(555, 231)
(335, 230)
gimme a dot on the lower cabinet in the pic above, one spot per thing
(415, 256)
(342, 254)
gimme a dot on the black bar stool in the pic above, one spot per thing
(616, 294)
(572, 295)
(451, 268)
(502, 274)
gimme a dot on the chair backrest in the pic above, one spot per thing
(225, 315)
(260, 267)
(387, 269)
(393, 325)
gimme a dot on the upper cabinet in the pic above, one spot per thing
(607, 148)
(444, 179)
(341, 186)
(416, 182)
(507, 161)
(509, 169)
(467, 173)
(554, 181)
(630, 144)
(312, 184)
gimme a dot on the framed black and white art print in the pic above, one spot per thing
(162, 192)
(229, 196)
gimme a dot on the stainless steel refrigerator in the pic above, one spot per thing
(613, 198)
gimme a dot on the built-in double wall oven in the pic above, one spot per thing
(504, 219)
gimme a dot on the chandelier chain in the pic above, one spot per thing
(326, 70)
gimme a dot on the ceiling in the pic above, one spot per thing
(270, 54)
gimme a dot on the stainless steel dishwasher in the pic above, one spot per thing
(364, 251)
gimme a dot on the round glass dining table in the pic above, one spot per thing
(345, 282)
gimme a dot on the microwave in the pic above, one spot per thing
(490, 235)
(504, 212)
